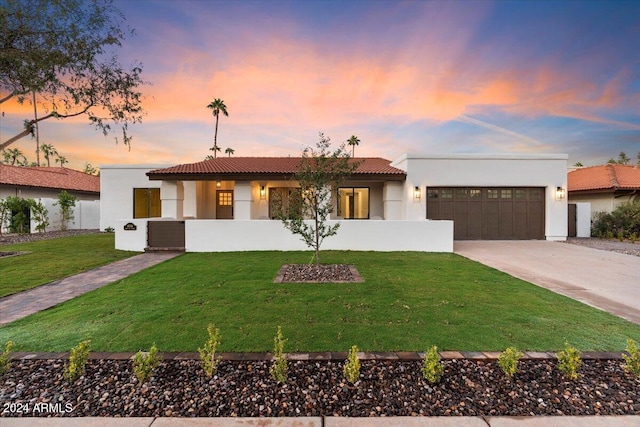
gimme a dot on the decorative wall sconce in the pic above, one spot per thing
(218, 184)
(417, 193)
(263, 193)
(560, 193)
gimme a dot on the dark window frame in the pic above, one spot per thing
(149, 191)
(353, 192)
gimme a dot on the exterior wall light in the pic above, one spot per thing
(416, 193)
(218, 184)
(560, 193)
(263, 193)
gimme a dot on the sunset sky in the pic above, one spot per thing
(404, 76)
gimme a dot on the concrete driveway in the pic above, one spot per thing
(607, 280)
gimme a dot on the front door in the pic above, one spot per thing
(224, 204)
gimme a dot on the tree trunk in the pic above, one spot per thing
(215, 139)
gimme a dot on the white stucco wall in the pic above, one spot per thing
(583, 219)
(116, 184)
(488, 170)
(238, 235)
(602, 202)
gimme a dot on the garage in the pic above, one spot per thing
(492, 213)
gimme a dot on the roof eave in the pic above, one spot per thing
(263, 176)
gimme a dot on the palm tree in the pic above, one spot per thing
(62, 160)
(217, 106)
(13, 156)
(353, 141)
(229, 151)
(48, 151)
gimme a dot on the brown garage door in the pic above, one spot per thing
(495, 213)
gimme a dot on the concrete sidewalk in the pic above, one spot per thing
(557, 421)
(607, 280)
(23, 304)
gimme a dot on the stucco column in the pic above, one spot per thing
(172, 197)
(242, 200)
(392, 200)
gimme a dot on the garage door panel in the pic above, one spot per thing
(490, 213)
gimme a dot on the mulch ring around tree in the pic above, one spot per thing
(323, 273)
(179, 388)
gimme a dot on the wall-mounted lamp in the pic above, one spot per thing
(560, 193)
(417, 193)
(218, 184)
(263, 193)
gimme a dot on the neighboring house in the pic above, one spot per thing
(605, 186)
(45, 184)
(416, 203)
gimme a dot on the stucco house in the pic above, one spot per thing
(44, 184)
(605, 187)
(416, 202)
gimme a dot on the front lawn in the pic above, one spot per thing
(55, 259)
(409, 301)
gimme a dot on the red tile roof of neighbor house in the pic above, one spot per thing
(269, 165)
(59, 178)
(604, 177)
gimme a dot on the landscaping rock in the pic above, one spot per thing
(179, 388)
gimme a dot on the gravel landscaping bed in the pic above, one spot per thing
(626, 248)
(323, 273)
(9, 239)
(179, 388)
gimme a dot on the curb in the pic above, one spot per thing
(326, 356)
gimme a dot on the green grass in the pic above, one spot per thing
(409, 301)
(55, 259)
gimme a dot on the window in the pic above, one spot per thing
(505, 194)
(475, 194)
(146, 203)
(432, 194)
(446, 193)
(462, 193)
(353, 203)
(284, 201)
(492, 194)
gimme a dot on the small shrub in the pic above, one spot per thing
(77, 361)
(569, 361)
(278, 369)
(109, 230)
(66, 202)
(622, 223)
(633, 359)
(5, 361)
(508, 361)
(351, 368)
(432, 369)
(144, 363)
(208, 354)
(40, 216)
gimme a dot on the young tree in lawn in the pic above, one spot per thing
(63, 52)
(308, 210)
(217, 106)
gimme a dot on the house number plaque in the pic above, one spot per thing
(130, 226)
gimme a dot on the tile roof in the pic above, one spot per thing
(268, 165)
(49, 177)
(604, 177)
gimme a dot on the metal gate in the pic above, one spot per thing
(165, 235)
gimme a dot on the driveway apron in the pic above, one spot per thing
(23, 304)
(606, 280)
